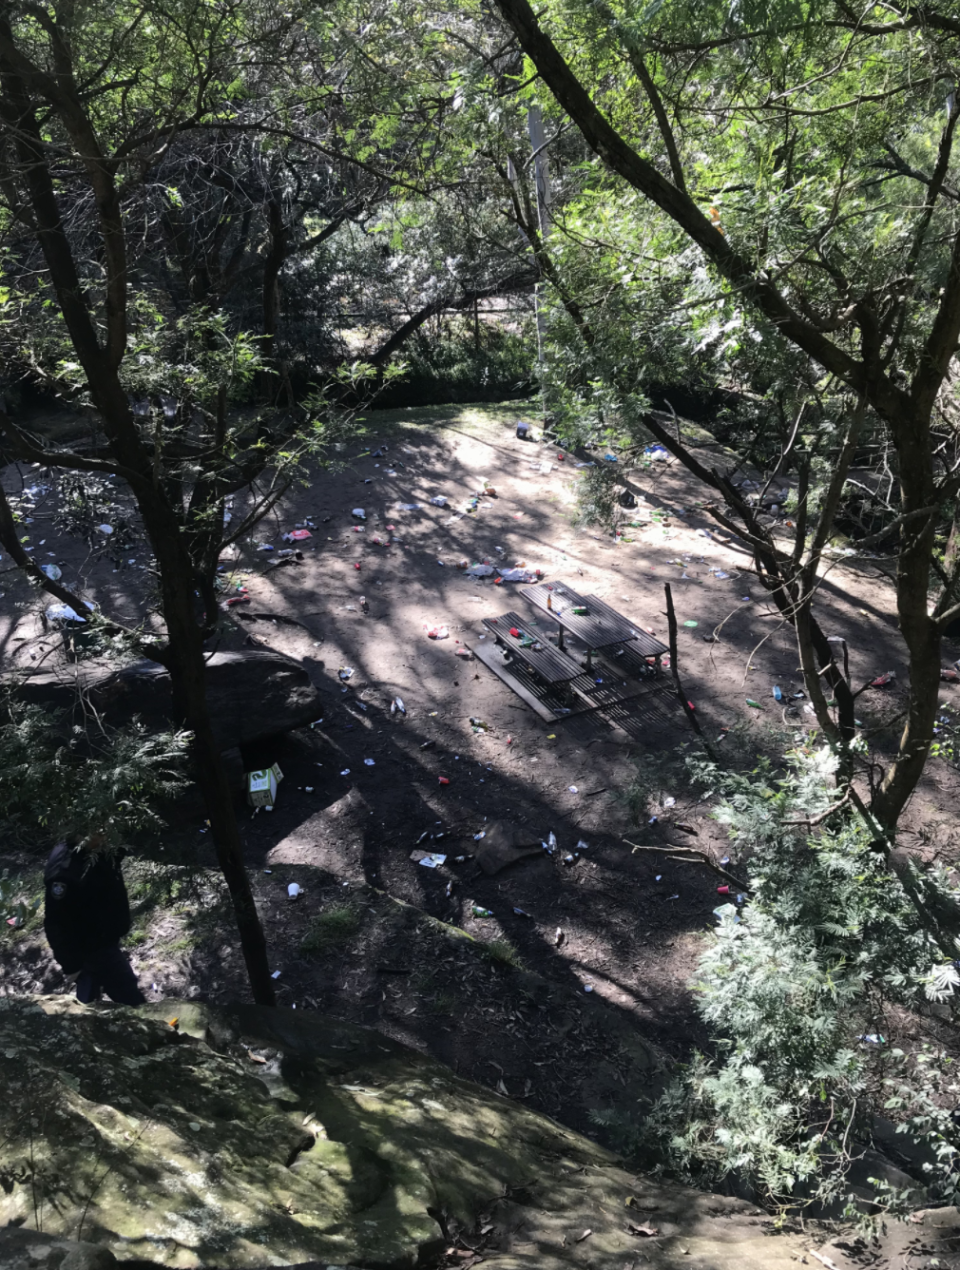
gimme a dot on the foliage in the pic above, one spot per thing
(457, 366)
(13, 909)
(97, 781)
(86, 500)
(790, 984)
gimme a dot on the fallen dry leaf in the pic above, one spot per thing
(652, 1231)
(255, 1058)
(586, 1235)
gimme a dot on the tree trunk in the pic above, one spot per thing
(187, 678)
(921, 631)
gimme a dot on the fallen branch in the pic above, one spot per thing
(690, 855)
(824, 815)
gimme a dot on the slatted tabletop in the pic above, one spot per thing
(645, 644)
(600, 627)
(550, 663)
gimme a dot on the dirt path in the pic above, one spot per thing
(615, 931)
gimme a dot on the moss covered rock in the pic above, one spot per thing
(186, 1135)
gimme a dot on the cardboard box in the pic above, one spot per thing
(262, 786)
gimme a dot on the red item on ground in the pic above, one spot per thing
(514, 632)
(299, 535)
(723, 890)
(356, 566)
(444, 780)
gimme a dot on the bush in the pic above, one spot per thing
(456, 367)
(792, 984)
(107, 782)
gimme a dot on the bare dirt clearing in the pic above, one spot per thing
(608, 942)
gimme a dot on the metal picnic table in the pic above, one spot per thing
(599, 627)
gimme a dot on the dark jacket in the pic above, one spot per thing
(85, 904)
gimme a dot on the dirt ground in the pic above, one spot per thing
(574, 985)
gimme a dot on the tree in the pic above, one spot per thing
(89, 106)
(757, 162)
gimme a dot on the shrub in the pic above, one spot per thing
(793, 984)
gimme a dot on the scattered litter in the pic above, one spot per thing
(777, 693)
(480, 912)
(439, 501)
(523, 430)
(265, 546)
(756, 704)
(275, 975)
(520, 575)
(298, 535)
(397, 706)
(572, 789)
(583, 846)
(551, 843)
(691, 624)
(359, 513)
(408, 507)
(463, 651)
(105, 529)
(262, 786)
(444, 780)
(54, 574)
(436, 632)
(369, 762)
(345, 672)
(429, 859)
(294, 889)
(670, 801)
(345, 772)
(588, 987)
(480, 571)
(521, 912)
(883, 681)
(872, 1038)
